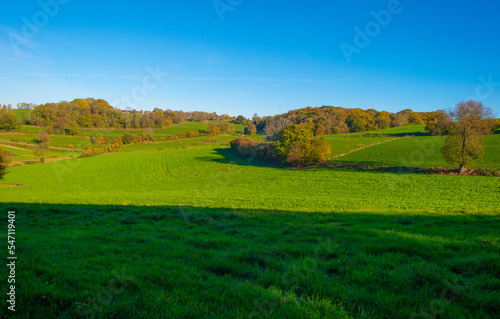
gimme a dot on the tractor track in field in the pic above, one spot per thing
(32, 145)
(366, 146)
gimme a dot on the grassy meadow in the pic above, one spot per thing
(186, 229)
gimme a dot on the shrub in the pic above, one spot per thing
(127, 139)
(3, 163)
(486, 172)
(251, 149)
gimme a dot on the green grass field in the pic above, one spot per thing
(419, 151)
(172, 129)
(393, 131)
(193, 231)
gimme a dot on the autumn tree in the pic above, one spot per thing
(469, 122)
(213, 129)
(438, 122)
(250, 129)
(297, 145)
(225, 127)
(43, 145)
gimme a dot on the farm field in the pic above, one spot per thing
(341, 144)
(13, 141)
(194, 230)
(173, 177)
(179, 143)
(172, 161)
(418, 151)
(393, 131)
(172, 129)
(185, 227)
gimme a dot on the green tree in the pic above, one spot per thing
(8, 121)
(240, 120)
(469, 121)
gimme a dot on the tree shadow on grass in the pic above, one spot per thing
(228, 156)
(67, 255)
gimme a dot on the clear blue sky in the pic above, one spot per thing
(266, 57)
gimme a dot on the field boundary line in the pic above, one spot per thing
(28, 144)
(370, 145)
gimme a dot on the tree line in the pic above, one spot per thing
(67, 117)
(327, 120)
(297, 141)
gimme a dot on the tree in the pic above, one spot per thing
(297, 145)
(213, 129)
(276, 125)
(3, 163)
(438, 122)
(469, 122)
(25, 106)
(250, 129)
(225, 127)
(8, 121)
(43, 145)
(240, 119)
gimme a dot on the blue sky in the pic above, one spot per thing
(245, 57)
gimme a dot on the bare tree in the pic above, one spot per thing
(470, 121)
(276, 125)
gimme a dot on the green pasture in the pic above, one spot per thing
(187, 229)
(196, 232)
(420, 151)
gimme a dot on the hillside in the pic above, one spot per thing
(21, 143)
(405, 146)
(180, 222)
(172, 176)
(199, 228)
